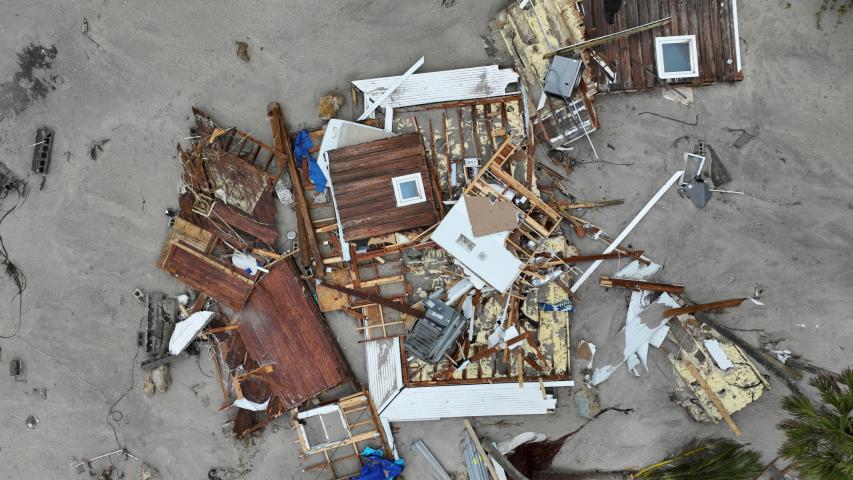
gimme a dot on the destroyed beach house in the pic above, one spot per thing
(438, 231)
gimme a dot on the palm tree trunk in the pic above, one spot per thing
(579, 476)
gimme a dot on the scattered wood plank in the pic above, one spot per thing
(610, 282)
(705, 307)
(377, 299)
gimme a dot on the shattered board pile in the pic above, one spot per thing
(439, 225)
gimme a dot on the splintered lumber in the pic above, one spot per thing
(589, 258)
(510, 470)
(281, 139)
(375, 282)
(377, 300)
(610, 282)
(580, 205)
(713, 397)
(705, 307)
(483, 354)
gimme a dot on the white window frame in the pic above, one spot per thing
(396, 181)
(690, 40)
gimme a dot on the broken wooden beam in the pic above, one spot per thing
(589, 258)
(284, 151)
(400, 307)
(479, 446)
(587, 204)
(610, 282)
(511, 472)
(375, 282)
(704, 307)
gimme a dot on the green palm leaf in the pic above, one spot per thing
(819, 438)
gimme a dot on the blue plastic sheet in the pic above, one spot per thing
(301, 149)
(377, 468)
(562, 306)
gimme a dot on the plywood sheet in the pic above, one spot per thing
(329, 299)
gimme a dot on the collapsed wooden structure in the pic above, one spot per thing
(400, 226)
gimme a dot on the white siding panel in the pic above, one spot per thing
(445, 86)
(433, 403)
(384, 370)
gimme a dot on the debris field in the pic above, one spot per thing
(429, 249)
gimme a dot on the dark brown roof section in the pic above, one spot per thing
(633, 56)
(281, 326)
(364, 193)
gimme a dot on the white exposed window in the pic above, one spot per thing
(465, 242)
(677, 57)
(409, 189)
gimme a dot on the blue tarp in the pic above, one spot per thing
(301, 149)
(377, 468)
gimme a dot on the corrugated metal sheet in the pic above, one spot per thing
(445, 86)
(384, 370)
(433, 403)
(473, 461)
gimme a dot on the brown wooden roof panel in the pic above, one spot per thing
(282, 326)
(633, 56)
(364, 194)
(206, 274)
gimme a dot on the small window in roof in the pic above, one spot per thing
(408, 189)
(677, 57)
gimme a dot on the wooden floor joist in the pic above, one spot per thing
(610, 282)
(705, 307)
(377, 299)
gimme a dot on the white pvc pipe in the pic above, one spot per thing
(589, 271)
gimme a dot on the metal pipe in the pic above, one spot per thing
(438, 471)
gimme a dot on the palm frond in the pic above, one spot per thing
(819, 439)
(711, 459)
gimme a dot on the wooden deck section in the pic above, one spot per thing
(281, 326)
(633, 56)
(186, 256)
(364, 193)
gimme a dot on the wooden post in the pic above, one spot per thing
(711, 395)
(703, 307)
(281, 139)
